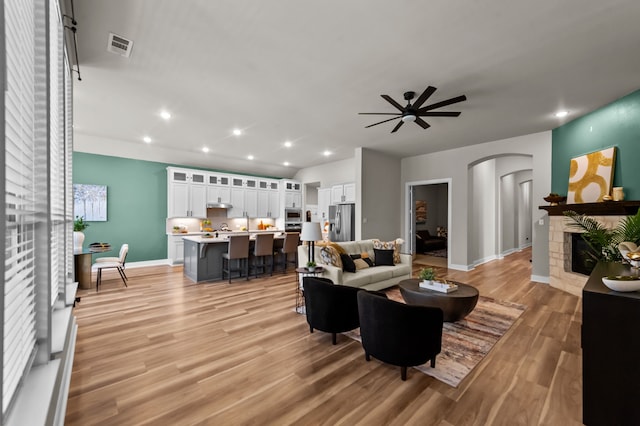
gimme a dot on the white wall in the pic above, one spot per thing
(482, 232)
(525, 221)
(454, 164)
(329, 174)
(378, 203)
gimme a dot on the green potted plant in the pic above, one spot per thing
(79, 225)
(603, 242)
(311, 266)
(427, 274)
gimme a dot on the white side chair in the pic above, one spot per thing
(112, 263)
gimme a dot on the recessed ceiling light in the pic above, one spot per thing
(326, 153)
(288, 144)
(286, 164)
(249, 157)
(147, 139)
(561, 114)
(205, 149)
(165, 115)
(237, 132)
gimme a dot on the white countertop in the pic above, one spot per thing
(253, 231)
(223, 238)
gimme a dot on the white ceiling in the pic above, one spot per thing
(302, 71)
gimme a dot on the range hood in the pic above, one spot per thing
(212, 205)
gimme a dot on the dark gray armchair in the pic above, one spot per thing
(330, 308)
(399, 334)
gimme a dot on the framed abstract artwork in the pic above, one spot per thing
(90, 202)
(591, 176)
(421, 211)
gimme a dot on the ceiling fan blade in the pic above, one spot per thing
(392, 102)
(425, 95)
(379, 113)
(443, 103)
(420, 122)
(380, 122)
(395, 129)
(439, 114)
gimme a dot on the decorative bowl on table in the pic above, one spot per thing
(622, 283)
(98, 247)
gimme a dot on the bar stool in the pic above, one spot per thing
(290, 246)
(263, 249)
(239, 251)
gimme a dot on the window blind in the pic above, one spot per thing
(56, 152)
(19, 197)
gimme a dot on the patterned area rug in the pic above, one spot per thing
(437, 253)
(465, 343)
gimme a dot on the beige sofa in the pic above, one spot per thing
(373, 278)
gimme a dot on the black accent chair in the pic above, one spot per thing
(330, 308)
(399, 334)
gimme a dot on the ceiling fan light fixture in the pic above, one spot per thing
(409, 118)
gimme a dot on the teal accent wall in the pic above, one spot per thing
(136, 204)
(616, 124)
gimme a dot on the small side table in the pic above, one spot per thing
(304, 272)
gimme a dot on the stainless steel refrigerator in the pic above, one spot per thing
(342, 222)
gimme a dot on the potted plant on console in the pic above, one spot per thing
(79, 225)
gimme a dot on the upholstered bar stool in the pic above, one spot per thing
(263, 250)
(290, 247)
(239, 251)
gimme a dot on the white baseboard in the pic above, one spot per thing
(540, 279)
(464, 268)
(485, 260)
(143, 263)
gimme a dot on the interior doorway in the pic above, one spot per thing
(428, 221)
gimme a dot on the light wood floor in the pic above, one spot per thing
(166, 351)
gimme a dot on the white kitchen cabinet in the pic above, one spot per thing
(218, 188)
(268, 204)
(291, 185)
(345, 193)
(244, 198)
(324, 201)
(187, 193)
(218, 194)
(175, 249)
(292, 199)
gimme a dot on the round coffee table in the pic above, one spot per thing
(455, 305)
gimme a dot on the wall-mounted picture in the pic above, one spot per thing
(90, 202)
(591, 176)
(421, 211)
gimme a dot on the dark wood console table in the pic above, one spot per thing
(610, 351)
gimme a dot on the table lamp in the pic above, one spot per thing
(311, 233)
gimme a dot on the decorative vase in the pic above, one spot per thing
(78, 240)
(311, 268)
(618, 193)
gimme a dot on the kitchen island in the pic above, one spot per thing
(203, 256)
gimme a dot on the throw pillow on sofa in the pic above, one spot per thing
(384, 257)
(347, 263)
(388, 245)
(360, 264)
(330, 256)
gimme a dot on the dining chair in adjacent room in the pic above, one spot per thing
(117, 263)
(238, 251)
(263, 250)
(290, 249)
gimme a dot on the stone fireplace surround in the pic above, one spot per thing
(608, 213)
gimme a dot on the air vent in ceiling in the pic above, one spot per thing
(119, 45)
